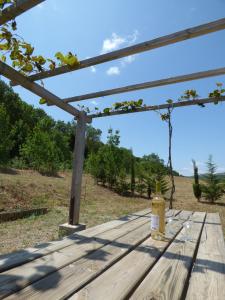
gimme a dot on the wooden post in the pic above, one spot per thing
(78, 161)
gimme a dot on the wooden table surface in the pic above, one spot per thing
(120, 260)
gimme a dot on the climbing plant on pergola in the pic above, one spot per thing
(81, 116)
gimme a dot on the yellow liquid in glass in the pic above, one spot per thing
(158, 218)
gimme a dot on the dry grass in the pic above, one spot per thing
(29, 189)
(186, 200)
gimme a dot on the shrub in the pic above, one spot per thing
(41, 153)
(122, 186)
(197, 190)
(5, 139)
(213, 189)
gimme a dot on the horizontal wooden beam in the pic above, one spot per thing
(145, 46)
(12, 74)
(160, 107)
(14, 10)
(147, 85)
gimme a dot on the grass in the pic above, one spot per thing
(28, 189)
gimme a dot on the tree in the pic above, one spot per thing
(213, 189)
(41, 152)
(132, 175)
(113, 139)
(6, 143)
(93, 142)
(196, 186)
(151, 169)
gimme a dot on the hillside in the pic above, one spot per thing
(221, 176)
(25, 189)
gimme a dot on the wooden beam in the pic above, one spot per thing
(17, 9)
(160, 107)
(138, 48)
(12, 74)
(148, 84)
(78, 161)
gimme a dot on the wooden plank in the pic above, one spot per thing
(63, 283)
(168, 277)
(9, 261)
(14, 10)
(117, 282)
(208, 275)
(19, 277)
(159, 107)
(77, 174)
(147, 85)
(138, 48)
(184, 215)
(12, 74)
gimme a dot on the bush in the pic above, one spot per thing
(141, 188)
(213, 189)
(5, 138)
(122, 186)
(197, 190)
(18, 163)
(41, 153)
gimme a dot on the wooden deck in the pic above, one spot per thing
(120, 260)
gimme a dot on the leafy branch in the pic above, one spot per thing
(217, 93)
(21, 54)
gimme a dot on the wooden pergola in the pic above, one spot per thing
(83, 118)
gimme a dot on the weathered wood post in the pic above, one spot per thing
(78, 161)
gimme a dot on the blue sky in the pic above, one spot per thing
(88, 28)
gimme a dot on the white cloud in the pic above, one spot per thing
(128, 60)
(115, 41)
(133, 37)
(93, 69)
(113, 71)
(112, 43)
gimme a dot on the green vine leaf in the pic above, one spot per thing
(106, 110)
(169, 101)
(164, 117)
(21, 53)
(217, 93)
(42, 101)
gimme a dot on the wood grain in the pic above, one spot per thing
(77, 174)
(147, 85)
(67, 280)
(14, 10)
(159, 107)
(35, 88)
(167, 278)
(17, 278)
(117, 282)
(208, 275)
(12, 260)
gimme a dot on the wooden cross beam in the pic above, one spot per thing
(160, 107)
(138, 48)
(149, 84)
(17, 9)
(12, 74)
